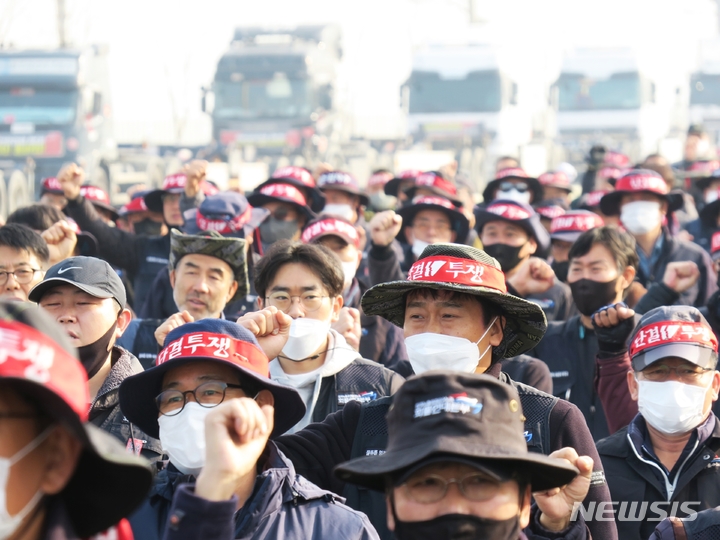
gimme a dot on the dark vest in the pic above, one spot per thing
(371, 437)
(153, 258)
(145, 347)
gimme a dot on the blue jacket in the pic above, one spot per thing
(283, 505)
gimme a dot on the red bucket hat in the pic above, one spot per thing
(639, 181)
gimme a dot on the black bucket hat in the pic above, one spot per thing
(209, 340)
(679, 331)
(300, 178)
(464, 269)
(437, 184)
(408, 175)
(109, 483)
(445, 416)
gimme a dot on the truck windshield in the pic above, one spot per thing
(54, 107)
(479, 91)
(276, 97)
(705, 90)
(579, 93)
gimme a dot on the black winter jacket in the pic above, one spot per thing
(360, 430)
(634, 476)
(105, 410)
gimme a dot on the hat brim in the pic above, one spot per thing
(411, 191)
(393, 186)
(564, 187)
(371, 471)
(153, 199)
(258, 199)
(461, 224)
(525, 322)
(532, 226)
(700, 356)
(317, 198)
(108, 208)
(566, 236)
(108, 482)
(37, 292)
(610, 203)
(709, 214)
(493, 185)
(137, 396)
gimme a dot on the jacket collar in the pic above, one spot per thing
(124, 364)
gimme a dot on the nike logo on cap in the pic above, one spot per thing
(63, 270)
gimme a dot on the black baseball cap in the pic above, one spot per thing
(451, 416)
(94, 276)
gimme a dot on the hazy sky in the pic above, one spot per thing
(163, 51)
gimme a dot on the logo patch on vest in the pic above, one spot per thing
(597, 478)
(362, 397)
(455, 403)
(371, 452)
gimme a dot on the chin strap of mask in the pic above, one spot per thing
(94, 355)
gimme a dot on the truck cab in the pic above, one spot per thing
(458, 97)
(604, 96)
(54, 108)
(273, 89)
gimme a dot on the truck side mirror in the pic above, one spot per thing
(513, 94)
(97, 104)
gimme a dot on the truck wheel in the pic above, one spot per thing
(18, 194)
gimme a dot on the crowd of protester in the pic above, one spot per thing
(316, 359)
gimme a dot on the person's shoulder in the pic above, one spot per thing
(373, 367)
(615, 444)
(683, 247)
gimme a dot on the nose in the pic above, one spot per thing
(201, 285)
(455, 502)
(12, 283)
(297, 310)
(67, 317)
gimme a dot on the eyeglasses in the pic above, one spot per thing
(507, 186)
(22, 275)
(427, 489)
(283, 301)
(209, 394)
(686, 374)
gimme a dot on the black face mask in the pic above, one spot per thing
(93, 356)
(147, 227)
(458, 527)
(591, 295)
(272, 230)
(561, 270)
(507, 256)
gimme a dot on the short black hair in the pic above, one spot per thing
(319, 259)
(39, 217)
(621, 244)
(17, 236)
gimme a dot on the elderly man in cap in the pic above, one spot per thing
(62, 477)
(451, 428)
(642, 200)
(142, 257)
(207, 271)
(86, 297)
(211, 402)
(511, 232)
(457, 315)
(664, 461)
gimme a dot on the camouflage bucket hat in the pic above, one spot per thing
(213, 244)
(463, 269)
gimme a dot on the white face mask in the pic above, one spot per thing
(641, 217)
(349, 269)
(437, 351)
(514, 195)
(183, 438)
(418, 247)
(9, 524)
(671, 407)
(340, 210)
(306, 336)
(711, 196)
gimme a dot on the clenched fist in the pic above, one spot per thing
(71, 177)
(384, 227)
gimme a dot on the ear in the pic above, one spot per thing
(633, 385)
(123, 321)
(172, 278)
(62, 451)
(715, 385)
(496, 332)
(409, 235)
(265, 397)
(532, 246)
(525, 509)
(453, 236)
(232, 291)
(338, 303)
(260, 302)
(664, 207)
(627, 277)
